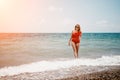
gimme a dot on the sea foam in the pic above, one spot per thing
(58, 64)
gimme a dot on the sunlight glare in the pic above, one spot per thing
(2, 3)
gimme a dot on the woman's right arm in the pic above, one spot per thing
(70, 39)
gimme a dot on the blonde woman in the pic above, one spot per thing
(75, 39)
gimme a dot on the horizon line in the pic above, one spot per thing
(56, 32)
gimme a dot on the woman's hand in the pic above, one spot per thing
(69, 43)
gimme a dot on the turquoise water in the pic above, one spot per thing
(21, 48)
(99, 44)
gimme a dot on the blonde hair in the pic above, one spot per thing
(77, 26)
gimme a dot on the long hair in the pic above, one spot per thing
(78, 26)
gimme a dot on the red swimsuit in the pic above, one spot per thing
(75, 37)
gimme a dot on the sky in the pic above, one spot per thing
(59, 16)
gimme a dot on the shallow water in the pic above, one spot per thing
(21, 48)
(36, 52)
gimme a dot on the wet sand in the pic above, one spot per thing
(73, 73)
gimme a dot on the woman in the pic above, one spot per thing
(75, 39)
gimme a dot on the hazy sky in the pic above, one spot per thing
(59, 15)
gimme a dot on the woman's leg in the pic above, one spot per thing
(74, 49)
(77, 48)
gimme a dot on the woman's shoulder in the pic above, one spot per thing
(73, 31)
(80, 32)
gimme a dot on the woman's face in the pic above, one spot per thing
(77, 28)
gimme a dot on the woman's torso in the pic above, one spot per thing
(75, 36)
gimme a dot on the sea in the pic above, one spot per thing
(36, 52)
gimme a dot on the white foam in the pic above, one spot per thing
(54, 65)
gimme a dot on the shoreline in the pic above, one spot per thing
(73, 73)
(110, 74)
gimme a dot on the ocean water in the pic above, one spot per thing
(34, 52)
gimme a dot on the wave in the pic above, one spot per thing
(58, 64)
